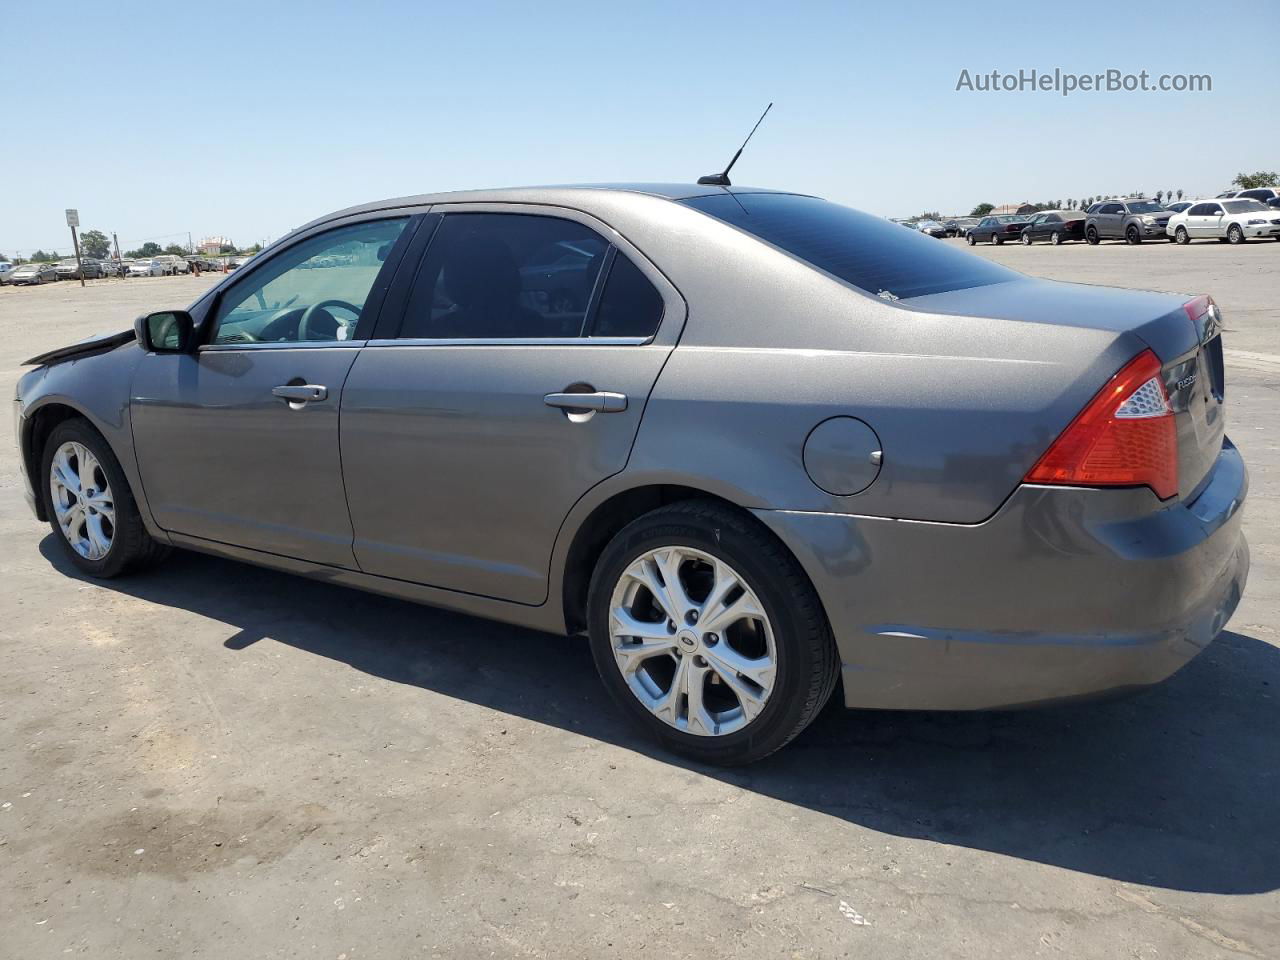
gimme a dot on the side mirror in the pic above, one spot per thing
(167, 332)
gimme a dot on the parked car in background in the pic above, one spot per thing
(957, 227)
(33, 273)
(1178, 205)
(6, 268)
(87, 268)
(734, 554)
(1232, 220)
(173, 264)
(1056, 226)
(996, 229)
(1268, 195)
(1132, 220)
(145, 268)
(932, 227)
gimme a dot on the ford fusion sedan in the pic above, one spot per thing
(779, 448)
(932, 228)
(996, 230)
(1234, 221)
(33, 273)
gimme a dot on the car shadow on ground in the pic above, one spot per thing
(1175, 787)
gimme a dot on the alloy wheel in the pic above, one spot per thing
(82, 500)
(692, 641)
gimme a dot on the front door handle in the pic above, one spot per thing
(599, 402)
(300, 392)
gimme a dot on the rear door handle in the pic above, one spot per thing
(300, 393)
(600, 402)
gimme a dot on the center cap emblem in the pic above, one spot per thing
(687, 640)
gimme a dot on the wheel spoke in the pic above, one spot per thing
(63, 475)
(712, 607)
(668, 707)
(744, 608)
(99, 542)
(750, 698)
(668, 562)
(626, 625)
(633, 655)
(700, 720)
(645, 572)
(730, 663)
(87, 465)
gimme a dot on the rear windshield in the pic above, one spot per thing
(872, 254)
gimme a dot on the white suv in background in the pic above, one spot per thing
(6, 268)
(173, 264)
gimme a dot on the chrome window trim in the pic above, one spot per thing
(279, 345)
(513, 342)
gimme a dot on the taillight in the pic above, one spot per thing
(1124, 437)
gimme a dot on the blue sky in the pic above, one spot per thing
(248, 119)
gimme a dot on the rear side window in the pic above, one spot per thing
(867, 252)
(499, 276)
(630, 305)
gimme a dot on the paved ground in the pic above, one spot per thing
(217, 761)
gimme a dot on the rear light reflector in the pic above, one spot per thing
(1124, 437)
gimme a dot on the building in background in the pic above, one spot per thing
(213, 245)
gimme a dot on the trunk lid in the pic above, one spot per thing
(1186, 335)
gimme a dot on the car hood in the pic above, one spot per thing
(100, 343)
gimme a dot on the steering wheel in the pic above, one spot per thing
(308, 316)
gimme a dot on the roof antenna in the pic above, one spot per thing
(722, 179)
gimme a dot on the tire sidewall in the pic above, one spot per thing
(122, 500)
(783, 711)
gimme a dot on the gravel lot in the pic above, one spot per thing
(219, 761)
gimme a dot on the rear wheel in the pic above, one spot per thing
(89, 504)
(709, 635)
(1235, 234)
(995, 239)
(1056, 238)
(1181, 236)
(1091, 235)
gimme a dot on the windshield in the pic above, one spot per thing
(867, 252)
(1245, 206)
(1146, 206)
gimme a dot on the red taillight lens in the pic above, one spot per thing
(1125, 437)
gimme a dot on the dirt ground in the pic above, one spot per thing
(214, 760)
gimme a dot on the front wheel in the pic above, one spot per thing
(1026, 239)
(89, 504)
(1181, 237)
(973, 241)
(708, 634)
(1235, 234)
(1132, 237)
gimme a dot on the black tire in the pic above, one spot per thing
(973, 241)
(995, 239)
(132, 548)
(1055, 238)
(1132, 236)
(1181, 237)
(1091, 236)
(808, 665)
(1235, 234)
(1026, 239)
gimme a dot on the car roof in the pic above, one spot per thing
(551, 195)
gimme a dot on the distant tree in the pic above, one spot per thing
(982, 209)
(1159, 196)
(1179, 194)
(148, 249)
(228, 248)
(40, 256)
(927, 215)
(94, 243)
(257, 247)
(1168, 196)
(176, 250)
(1251, 181)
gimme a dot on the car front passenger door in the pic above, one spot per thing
(237, 440)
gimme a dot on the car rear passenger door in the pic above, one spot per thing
(512, 381)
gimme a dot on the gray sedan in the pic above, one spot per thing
(772, 447)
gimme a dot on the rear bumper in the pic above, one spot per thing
(1064, 593)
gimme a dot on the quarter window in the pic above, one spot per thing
(313, 291)
(630, 305)
(505, 276)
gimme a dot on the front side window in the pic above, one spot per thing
(501, 276)
(864, 251)
(313, 291)
(1214, 210)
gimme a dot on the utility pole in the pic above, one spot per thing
(73, 221)
(116, 241)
